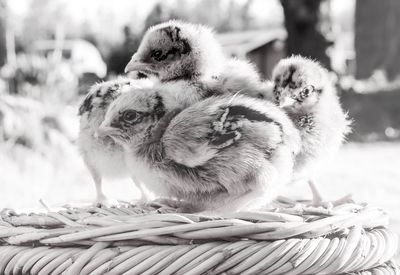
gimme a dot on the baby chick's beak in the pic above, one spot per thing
(286, 101)
(136, 65)
(104, 131)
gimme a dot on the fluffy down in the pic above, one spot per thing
(221, 151)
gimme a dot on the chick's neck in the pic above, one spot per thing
(151, 146)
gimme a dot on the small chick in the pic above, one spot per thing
(177, 50)
(102, 156)
(220, 154)
(303, 89)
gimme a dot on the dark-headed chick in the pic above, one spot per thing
(223, 153)
(302, 87)
(177, 50)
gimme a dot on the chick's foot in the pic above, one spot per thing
(319, 201)
(103, 201)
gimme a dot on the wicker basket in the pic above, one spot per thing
(290, 238)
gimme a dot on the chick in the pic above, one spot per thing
(221, 153)
(102, 156)
(177, 50)
(303, 89)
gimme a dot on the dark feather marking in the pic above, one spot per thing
(288, 79)
(186, 47)
(177, 34)
(306, 122)
(168, 32)
(110, 95)
(159, 108)
(86, 105)
(172, 33)
(230, 131)
(245, 112)
(159, 130)
(252, 115)
(222, 138)
(207, 92)
(276, 93)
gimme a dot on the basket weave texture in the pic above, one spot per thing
(287, 238)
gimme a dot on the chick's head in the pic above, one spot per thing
(175, 50)
(299, 83)
(131, 116)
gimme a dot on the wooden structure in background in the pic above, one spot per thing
(377, 37)
(262, 47)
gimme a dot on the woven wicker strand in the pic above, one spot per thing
(289, 238)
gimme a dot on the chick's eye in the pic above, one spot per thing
(130, 116)
(308, 90)
(157, 55)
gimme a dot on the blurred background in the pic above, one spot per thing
(51, 51)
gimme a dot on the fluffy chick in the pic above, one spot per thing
(218, 154)
(177, 50)
(102, 156)
(303, 89)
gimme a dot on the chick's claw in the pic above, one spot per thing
(104, 202)
(319, 201)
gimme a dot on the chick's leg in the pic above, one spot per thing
(143, 192)
(101, 199)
